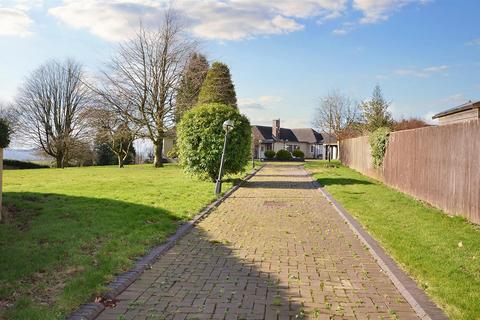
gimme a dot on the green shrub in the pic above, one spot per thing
(298, 153)
(5, 131)
(269, 154)
(173, 153)
(16, 164)
(283, 155)
(378, 140)
(200, 140)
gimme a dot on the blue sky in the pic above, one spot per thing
(283, 55)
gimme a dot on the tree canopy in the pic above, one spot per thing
(375, 111)
(191, 84)
(218, 86)
(200, 137)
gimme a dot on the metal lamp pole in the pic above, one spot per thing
(227, 126)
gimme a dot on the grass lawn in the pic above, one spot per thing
(68, 231)
(440, 252)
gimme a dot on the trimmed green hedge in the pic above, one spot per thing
(200, 138)
(17, 164)
(298, 153)
(269, 154)
(283, 155)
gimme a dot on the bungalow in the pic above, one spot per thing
(465, 112)
(275, 138)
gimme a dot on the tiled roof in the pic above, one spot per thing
(294, 135)
(466, 106)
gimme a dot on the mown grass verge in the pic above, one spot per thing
(442, 253)
(67, 232)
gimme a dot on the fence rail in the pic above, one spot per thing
(440, 165)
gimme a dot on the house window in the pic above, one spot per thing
(269, 146)
(312, 148)
(262, 148)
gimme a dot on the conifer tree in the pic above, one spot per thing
(218, 86)
(191, 84)
(375, 111)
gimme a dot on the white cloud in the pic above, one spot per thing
(15, 19)
(381, 10)
(422, 72)
(452, 100)
(345, 28)
(114, 20)
(15, 22)
(266, 100)
(474, 42)
(110, 20)
(260, 103)
(428, 118)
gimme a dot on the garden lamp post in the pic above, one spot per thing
(227, 126)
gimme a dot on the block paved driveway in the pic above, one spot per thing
(276, 249)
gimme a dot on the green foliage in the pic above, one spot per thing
(173, 153)
(375, 111)
(283, 155)
(5, 132)
(200, 140)
(104, 156)
(191, 84)
(218, 86)
(269, 154)
(419, 237)
(298, 153)
(68, 232)
(16, 164)
(378, 143)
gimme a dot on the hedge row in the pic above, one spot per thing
(16, 164)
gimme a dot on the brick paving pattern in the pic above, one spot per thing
(276, 249)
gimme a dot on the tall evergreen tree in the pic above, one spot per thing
(218, 86)
(375, 111)
(191, 84)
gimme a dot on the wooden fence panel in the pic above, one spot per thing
(356, 154)
(440, 165)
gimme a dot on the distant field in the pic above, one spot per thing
(68, 231)
(440, 252)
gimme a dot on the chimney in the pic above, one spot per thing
(276, 128)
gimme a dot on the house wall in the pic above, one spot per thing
(439, 165)
(460, 116)
(303, 146)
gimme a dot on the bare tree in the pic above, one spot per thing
(49, 107)
(337, 115)
(142, 79)
(113, 130)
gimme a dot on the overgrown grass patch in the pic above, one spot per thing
(67, 232)
(442, 253)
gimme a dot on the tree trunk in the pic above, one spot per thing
(59, 159)
(120, 161)
(158, 148)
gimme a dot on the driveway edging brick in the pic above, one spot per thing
(90, 311)
(418, 300)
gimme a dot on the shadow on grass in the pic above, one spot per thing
(275, 184)
(59, 251)
(341, 181)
